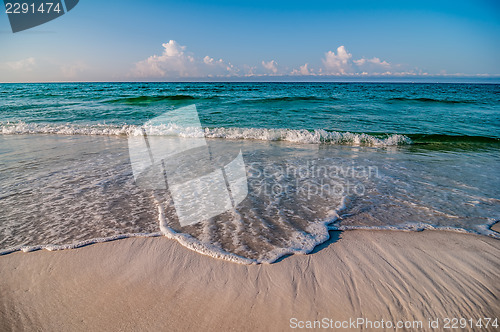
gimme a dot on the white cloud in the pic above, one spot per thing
(337, 64)
(271, 66)
(373, 65)
(343, 63)
(303, 70)
(375, 61)
(175, 62)
(208, 60)
(21, 65)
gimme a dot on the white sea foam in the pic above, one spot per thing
(11, 128)
(195, 245)
(305, 136)
(418, 227)
(55, 247)
(318, 136)
(310, 242)
(268, 227)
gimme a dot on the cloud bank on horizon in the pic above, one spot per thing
(175, 62)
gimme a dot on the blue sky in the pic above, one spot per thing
(172, 40)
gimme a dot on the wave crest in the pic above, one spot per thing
(304, 136)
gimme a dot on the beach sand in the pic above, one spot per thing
(496, 227)
(156, 284)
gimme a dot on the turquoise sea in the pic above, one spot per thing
(317, 156)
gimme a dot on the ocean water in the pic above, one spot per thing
(317, 157)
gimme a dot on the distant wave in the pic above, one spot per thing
(148, 99)
(286, 99)
(289, 135)
(181, 97)
(430, 100)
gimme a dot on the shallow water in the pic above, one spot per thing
(317, 157)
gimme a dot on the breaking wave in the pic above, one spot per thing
(318, 136)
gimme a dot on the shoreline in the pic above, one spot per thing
(223, 255)
(156, 283)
